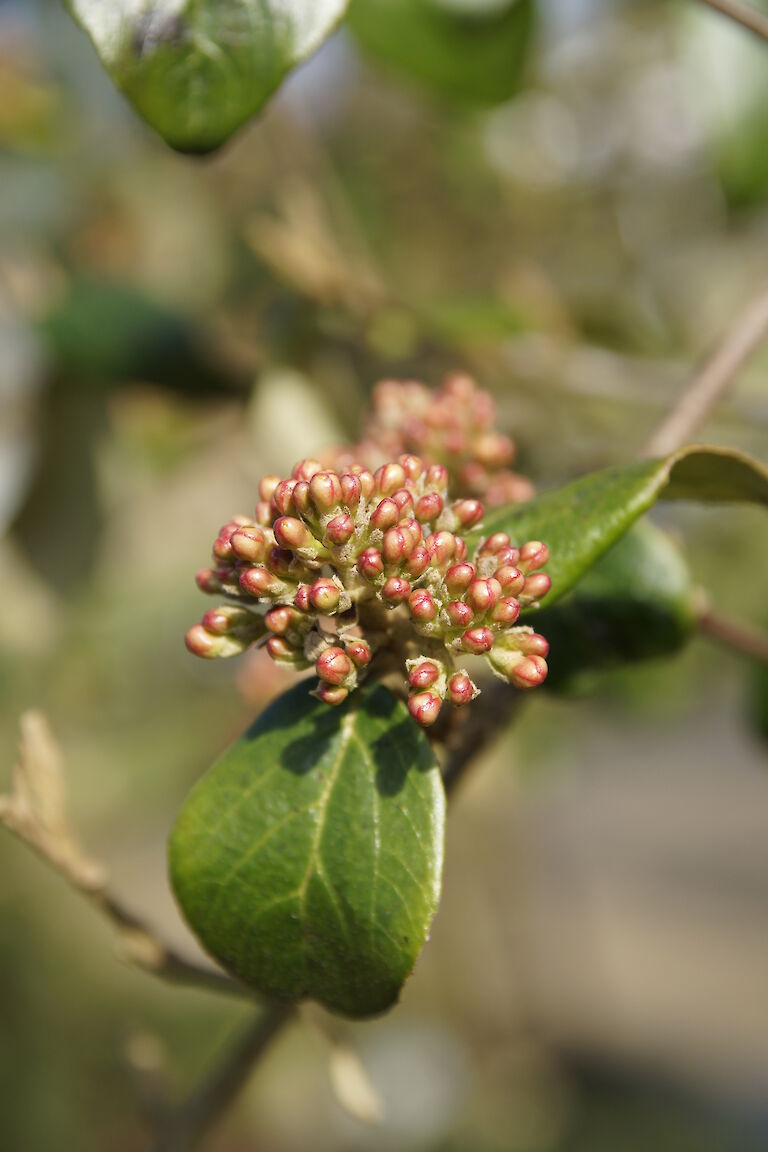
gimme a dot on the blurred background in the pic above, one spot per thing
(171, 329)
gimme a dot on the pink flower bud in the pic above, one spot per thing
(535, 645)
(437, 477)
(301, 599)
(249, 544)
(506, 611)
(511, 579)
(460, 549)
(389, 478)
(404, 500)
(333, 666)
(208, 581)
(442, 547)
(200, 642)
(292, 534)
(533, 555)
(367, 483)
(326, 491)
(332, 694)
(282, 497)
(413, 466)
(458, 578)
(396, 590)
(483, 594)
(418, 562)
(279, 620)
(495, 543)
(477, 641)
(264, 514)
(460, 614)
(306, 469)
(370, 564)
(422, 605)
(281, 651)
(259, 581)
(425, 708)
(301, 500)
(529, 672)
(395, 546)
(267, 488)
(324, 595)
(429, 507)
(341, 529)
(468, 512)
(222, 548)
(359, 652)
(493, 449)
(508, 556)
(424, 674)
(461, 690)
(385, 515)
(222, 620)
(351, 490)
(536, 587)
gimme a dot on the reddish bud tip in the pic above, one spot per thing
(333, 666)
(424, 674)
(396, 590)
(495, 543)
(324, 595)
(351, 490)
(279, 620)
(389, 478)
(326, 491)
(306, 469)
(208, 581)
(333, 694)
(425, 708)
(413, 466)
(458, 578)
(511, 579)
(291, 533)
(536, 586)
(529, 672)
(506, 611)
(535, 645)
(461, 690)
(395, 546)
(437, 477)
(460, 614)
(477, 641)
(370, 564)
(483, 594)
(249, 544)
(418, 562)
(341, 529)
(468, 512)
(258, 581)
(280, 650)
(359, 652)
(301, 599)
(367, 482)
(533, 555)
(429, 507)
(422, 605)
(385, 515)
(442, 547)
(267, 488)
(200, 642)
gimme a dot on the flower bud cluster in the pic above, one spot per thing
(336, 566)
(452, 425)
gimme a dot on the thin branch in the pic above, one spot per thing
(731, 634)
(743, 14)
(188, 1126)
(713, 379)
(36, 812)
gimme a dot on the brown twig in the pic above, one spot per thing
(187, 1126)
(743, 14)
(36, 812)
(731, 634)
(713, 379)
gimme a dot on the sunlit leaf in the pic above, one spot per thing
(308, 860)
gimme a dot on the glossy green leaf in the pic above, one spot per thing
(580, 521)
(308, 860)
(470, 50)
(196, 70)
(636, 603)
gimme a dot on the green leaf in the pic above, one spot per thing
(636, 603)
(196, 70)
(580, 521)
(308, 860)
(469, 50)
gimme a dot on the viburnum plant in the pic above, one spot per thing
(407, 573)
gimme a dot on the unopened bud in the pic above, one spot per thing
(367, 482)
(437, 477)
(351, 490)
(413, 466)
(442, 547)
(429, 507)
(259, 581)
(396, 590)
(418, 562)
(395, 546)
(535, 645)
(306, 469)
(385, 515)
(326, 491)
(458, 578)
(468, 512)
(279, 620)
(460, 614)
(208, 581)
(292, 534)
(359, 652)
(423, 674)
(495, 543)
(281, 651)
(200, 642)
(389, 478)
(333, 666)
(511, 579)
(324, 595)
(370, 564)
(301, 599)
(333, 694)
(461, 689)
(425, 707)
(533, 555)
(483, 594)
(422, 605)
(506, 611)
(477, 641)
(282, 497)
(249, 544)
(529, 672)
(267, 488)
(536, 587)
(341, 529)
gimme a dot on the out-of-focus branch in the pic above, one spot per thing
(187, 1126)
(731, 634)
(713, 379)
(743, 14)
(36, 812)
